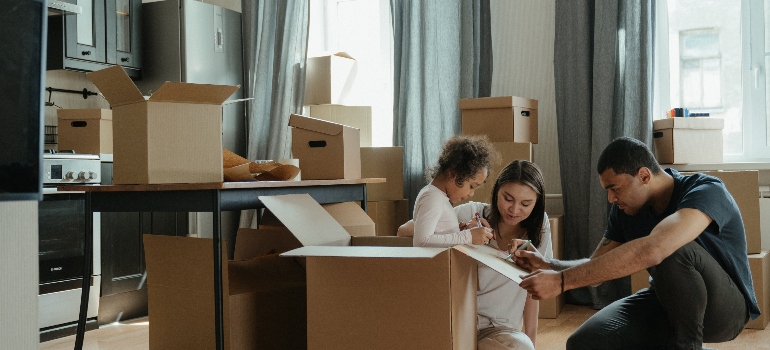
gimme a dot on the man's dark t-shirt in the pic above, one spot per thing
(724, 238)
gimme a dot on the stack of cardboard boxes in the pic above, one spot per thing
(386, 204)
(744, 187)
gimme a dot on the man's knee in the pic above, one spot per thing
(581, 340)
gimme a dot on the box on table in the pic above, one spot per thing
(744, 187)
(374, 297)
(328, 78)
(264, 297)
(388, 215)
(387, 163)
(551, 308)
(325, 150)
(509, 151)
(502, 119)
(359, 117)
(688, 140)
(174, 137)
(86, 131)
(760, 276)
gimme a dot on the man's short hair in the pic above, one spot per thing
(626, 155)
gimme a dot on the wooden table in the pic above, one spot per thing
(202, 197)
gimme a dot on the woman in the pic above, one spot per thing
(507, 317)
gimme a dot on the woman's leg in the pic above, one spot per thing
(501, 338)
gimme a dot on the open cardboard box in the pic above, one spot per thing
(365, 297)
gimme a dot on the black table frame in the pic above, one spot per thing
(198, 200)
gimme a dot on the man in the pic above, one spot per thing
(686, 231)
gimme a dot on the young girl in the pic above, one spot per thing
(462, 167)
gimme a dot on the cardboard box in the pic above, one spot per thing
(387, 163)
(329, 78)
(374, 297)
(325, 150)
(744, 187)
(359, 117)
(640, 280)
(173, 137)
(764, 218)
(688, 140)
(509, 151)
(551, 308)
(349, 215)
(86, 131)
(264, 303)
(388, 215)
(760, 276)
(502, 119)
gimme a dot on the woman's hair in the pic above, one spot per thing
(463, 156)
(528, 174)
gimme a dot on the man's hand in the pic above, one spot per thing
(530, 258)
(542, 284)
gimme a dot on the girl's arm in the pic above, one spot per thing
(531, 310)
(428, 212)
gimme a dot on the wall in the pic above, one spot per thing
(19, 268)
(522, 44)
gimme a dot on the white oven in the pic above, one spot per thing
(61, 225)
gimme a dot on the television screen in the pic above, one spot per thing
(22, 72)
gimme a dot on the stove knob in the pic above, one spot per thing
(69, 175)
(82, 175)
(92, 175)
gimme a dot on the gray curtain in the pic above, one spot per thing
(438, 59)
(274, 50)
(603, 76)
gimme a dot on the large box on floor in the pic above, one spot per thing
(86, 131)
(264, 297)
(509, 151)
(359, 117)
(375, 297)
(174, 137)
(388, 215)
(502, 119)
(551, 308)
(760, 275)
(326, 150)
(387, 163)
(688, 140)
(329, 78)
(744, 187)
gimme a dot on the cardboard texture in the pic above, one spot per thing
(387, 163)
(326, 150)
(86, 131)
(640, 280)
(173, 137)
(688, 140)
(760, 275)
(359, 117)
(264, 304)
(744, 187)
(502, 119)
(329, 78)
(551, 308)
(764, 218)
(388, 215)
(509, 151)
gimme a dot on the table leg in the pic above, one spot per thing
(86, 286)
(218, 301)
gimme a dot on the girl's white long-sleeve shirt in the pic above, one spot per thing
(435, 221)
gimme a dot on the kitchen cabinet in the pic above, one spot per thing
(105, 33)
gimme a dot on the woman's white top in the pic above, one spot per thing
(500, 301)
(435, 221)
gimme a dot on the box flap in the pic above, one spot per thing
(366, 252)
(497, 102)
(352, 218)
(83, 114)
(382, 241)
(489, 256)
(265, 273)
(116, 86)
(193, 93)
(306, 220)
(317, 125)
(688, 123)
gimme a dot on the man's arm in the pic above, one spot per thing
(533, 261)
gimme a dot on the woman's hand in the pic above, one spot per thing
(481, 235)
(528, 258)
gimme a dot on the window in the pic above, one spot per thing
(363, 29)
(707, 61)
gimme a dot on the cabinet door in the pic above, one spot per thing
(123, 32)
(85, 32)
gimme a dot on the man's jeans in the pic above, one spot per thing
(692, 300)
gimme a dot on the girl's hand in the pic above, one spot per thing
(481, 235)
(473, 223)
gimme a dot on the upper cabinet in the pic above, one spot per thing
(105, 33)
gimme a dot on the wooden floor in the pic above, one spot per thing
(552, 335)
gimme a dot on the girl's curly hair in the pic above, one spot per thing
(463, 156)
